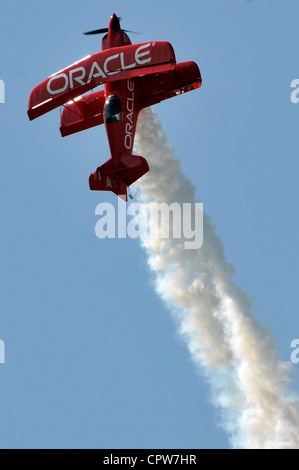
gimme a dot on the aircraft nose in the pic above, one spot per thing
(114, 23)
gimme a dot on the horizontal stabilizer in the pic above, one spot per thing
(117, 175)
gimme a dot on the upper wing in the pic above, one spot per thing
(155, 88)
(112, 64)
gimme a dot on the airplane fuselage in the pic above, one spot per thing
(121, 133)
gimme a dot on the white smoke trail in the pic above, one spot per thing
(237, 356)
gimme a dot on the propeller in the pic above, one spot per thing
(113, 25)
(105, 30)
(97, 31)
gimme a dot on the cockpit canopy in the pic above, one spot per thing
(112, 109)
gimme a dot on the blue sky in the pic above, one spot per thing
(92, 356)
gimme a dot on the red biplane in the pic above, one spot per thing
(134, 77)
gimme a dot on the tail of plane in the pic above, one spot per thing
(117, 175)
